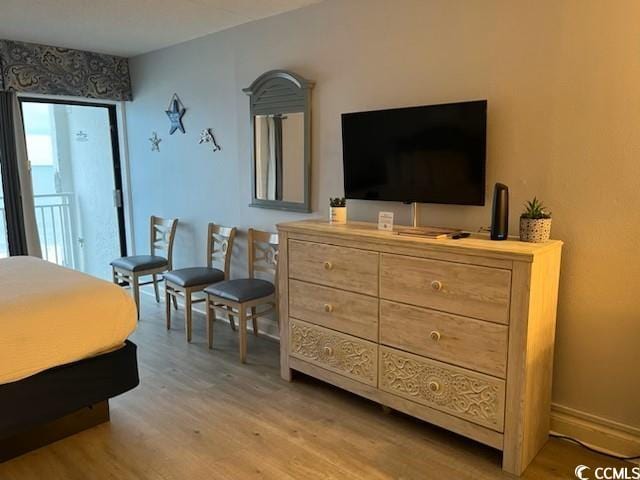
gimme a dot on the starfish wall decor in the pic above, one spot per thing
(155, 142)
(175, 112)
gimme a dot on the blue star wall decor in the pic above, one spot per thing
(175, 113)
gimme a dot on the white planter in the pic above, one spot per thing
(535, 230)
(338, 215)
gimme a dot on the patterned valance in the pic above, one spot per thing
(31, 68)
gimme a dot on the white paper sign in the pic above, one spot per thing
(385, 221)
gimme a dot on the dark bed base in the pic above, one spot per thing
(63, 400)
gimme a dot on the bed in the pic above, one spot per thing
(63, 352)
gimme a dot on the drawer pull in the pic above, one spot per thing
(434, 335)
(328, 266)
(434, 386)
(436, 285)
(328, 351)
(328, 307)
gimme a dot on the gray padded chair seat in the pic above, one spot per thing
(241, 290)
(189, 277)
(140, 262)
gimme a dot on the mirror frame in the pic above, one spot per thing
(281, 91)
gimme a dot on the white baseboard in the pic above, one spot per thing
(599, 432)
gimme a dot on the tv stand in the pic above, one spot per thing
(415, 214)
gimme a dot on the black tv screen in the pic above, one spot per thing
(429, 154)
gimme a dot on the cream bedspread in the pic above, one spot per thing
(50, 315)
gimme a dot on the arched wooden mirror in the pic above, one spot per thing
(280, 113)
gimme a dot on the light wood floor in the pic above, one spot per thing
(200, 414)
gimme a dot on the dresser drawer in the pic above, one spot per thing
(470, 290)
(469, 395)
(346, 312)
(466, 342)
(341, 267)
(349, 356)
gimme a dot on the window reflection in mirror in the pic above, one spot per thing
(279, 156)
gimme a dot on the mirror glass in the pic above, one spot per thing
(279, 157)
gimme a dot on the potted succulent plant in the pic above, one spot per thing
(337, 210)
(535, 222)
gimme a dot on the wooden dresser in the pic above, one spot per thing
(459, 333)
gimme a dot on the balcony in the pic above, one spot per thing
(56, 228)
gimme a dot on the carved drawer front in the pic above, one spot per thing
(346, 312)
(349, 356)
(341, 267)
(469, 395)
(470, 290)
(463, 341)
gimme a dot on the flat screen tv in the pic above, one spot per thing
(429, 154)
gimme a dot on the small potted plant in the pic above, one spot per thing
(535, 222)
(337, 210)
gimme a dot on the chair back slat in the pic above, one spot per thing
(263, 254)
(163, 232)
(220, 246)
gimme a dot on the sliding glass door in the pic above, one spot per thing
(77, 186)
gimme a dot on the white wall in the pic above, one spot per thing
(86, 170)
(561, 78)
(92, 162)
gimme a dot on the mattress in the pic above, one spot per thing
(50, 316)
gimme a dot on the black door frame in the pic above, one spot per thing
(115, 154)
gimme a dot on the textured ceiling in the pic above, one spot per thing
(129, 27)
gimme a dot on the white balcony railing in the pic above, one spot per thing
(54, 217)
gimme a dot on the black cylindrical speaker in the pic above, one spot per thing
(500, 212)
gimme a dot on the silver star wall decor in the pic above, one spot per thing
(207, 136)
(175, 112)
(155, 142)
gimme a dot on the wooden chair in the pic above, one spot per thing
(130, 269)
(240, 296)
(187, 281)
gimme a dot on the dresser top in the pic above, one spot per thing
(476, 244)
